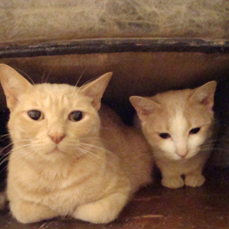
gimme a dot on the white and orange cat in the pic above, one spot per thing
(179, 125)
(68, 159)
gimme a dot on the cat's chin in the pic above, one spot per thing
(56, 150)
(180, 159)
(176, 158)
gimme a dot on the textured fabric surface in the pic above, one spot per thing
(23, 20)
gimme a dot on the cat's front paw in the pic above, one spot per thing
(102, 211)
(26, 212)
(194, 180)
(94, 214)
(173, 182)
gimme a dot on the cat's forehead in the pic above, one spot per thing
(179, 123)
(47, 95)
(56, 90)
(173, 99)
(177, 114)
(170, 119)
(172, 105)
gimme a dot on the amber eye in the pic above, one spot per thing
(164, 135)
(75, 116)
(36, 115)
(194, 130)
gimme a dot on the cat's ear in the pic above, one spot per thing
(205, 94)
(143, 106)
(13, 84)
(96, 88)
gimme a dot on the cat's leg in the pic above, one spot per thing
(102, 211)
(27, 212)
(195, 179)
(171, 175)
(171, 178)
(175, 181)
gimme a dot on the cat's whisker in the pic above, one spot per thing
(4, 135)
(95, 150)
(42, 77)
(99, 149)
(88, 81)
(49, 74)
(5, 157)
(3, 149)
(86, 151)
(3, 160)
(92, 147)
(19, 150)
(24, 73)
(22, 153)
(3, 169)
(85, 139)
(77, 82)
(93, 156)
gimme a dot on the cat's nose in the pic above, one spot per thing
(182, 154)
(57, 138)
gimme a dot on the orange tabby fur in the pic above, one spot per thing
(179, 126)
(86, 169)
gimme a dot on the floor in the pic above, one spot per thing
(156, 207)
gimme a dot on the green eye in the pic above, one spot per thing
(36, 115)
(75, 116)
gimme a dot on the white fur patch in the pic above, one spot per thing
(179, 132)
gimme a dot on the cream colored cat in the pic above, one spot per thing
(179, 126)
(67, 159)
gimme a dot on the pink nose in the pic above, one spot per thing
(182, 154)
(57, 138)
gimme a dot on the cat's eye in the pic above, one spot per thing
(164, 135)
(194, 130)
(36, 115)
(75, 116)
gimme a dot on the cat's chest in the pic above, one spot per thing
(183, 166)
(77, 193)
(81, 184)
(53, 180)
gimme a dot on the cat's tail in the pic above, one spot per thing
(3, 201)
